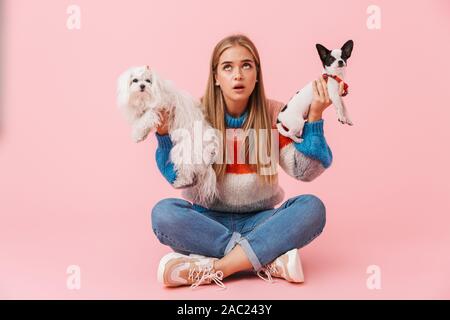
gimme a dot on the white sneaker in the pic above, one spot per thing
(287, 266)
(176, 269)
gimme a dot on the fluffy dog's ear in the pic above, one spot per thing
(123, 88)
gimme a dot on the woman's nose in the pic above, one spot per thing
(238, 75)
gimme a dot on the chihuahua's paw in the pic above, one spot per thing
(342, 119)
(345, 120)
(296, 138)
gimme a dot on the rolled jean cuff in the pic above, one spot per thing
(234, 239)
(250, 254)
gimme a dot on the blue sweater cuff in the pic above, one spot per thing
(163, 159)
(314, 144)
(315, 127)
(164, 141)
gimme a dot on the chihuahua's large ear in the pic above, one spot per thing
(323, 52)
(347, 49)
(123, 88)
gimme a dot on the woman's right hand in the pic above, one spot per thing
(163, 128)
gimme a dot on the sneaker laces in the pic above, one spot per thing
(268, 271)
(201, 275)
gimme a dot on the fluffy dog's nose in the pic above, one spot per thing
(142, 86)
(341, 63)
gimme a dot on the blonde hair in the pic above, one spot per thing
(258, 117)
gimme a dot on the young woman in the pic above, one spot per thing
(242, 229)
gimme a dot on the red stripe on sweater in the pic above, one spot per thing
(243, 168)
(282, 140)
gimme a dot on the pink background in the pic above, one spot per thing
(75, 190)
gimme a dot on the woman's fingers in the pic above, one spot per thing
(162, 128)
(325, 90)
(315, 91)
(320, 89)
(164, 115)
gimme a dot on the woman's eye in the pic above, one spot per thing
(248, 65)
(227, 67)
(135, 80)
(148, 80)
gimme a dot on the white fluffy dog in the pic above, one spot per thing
(142, 95)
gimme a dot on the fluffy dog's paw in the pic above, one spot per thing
(154, 124)
(138, 135)
(183, 181)
(210, 154)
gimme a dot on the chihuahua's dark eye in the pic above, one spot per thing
(329, 60)
(148, 80)
(135, 80)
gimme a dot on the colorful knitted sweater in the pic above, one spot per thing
(240, 190)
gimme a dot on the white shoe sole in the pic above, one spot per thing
(163, 263)
(295, 266)
(193, 255)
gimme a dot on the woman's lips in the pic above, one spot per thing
(239, 89)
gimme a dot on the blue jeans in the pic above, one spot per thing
(263, 235)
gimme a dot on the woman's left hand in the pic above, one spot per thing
(321, 100)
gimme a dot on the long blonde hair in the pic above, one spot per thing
(258, 116)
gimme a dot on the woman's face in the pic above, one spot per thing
(236, 74)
